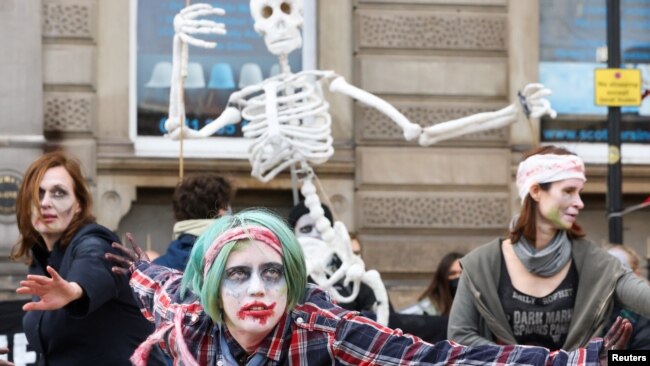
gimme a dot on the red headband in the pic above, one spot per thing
(257, 233)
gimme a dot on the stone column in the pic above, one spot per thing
(21, 125)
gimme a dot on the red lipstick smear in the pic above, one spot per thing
(262, 314)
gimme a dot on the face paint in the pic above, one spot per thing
(561, 204)
(253, 290)
(58, 205)
(306, 226)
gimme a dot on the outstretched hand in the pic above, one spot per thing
(54, 292)
(616, 338)
(122, 264)
(4, 351)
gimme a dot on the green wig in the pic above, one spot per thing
(208, 289)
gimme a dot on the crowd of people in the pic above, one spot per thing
(232, 288)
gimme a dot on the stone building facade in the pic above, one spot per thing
(66, 85)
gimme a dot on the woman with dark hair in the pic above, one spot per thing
(81, 312)
(543, 285)
(437, 298)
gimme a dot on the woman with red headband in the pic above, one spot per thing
(544, 285)
(244, 300)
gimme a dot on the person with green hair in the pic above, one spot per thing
(244, 300)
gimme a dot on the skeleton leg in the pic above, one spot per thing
(337, 239)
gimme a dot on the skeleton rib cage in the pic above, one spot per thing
(289, 121)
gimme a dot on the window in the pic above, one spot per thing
(240, 58)
(573, 40)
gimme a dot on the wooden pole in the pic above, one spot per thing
(181, 165)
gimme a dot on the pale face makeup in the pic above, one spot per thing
(58, 205)
(306, 226)
(561, 204)
(253, 292)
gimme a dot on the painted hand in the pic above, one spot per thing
(54, 292)
(616, 338)
(123, 264)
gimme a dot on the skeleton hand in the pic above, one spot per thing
(533, 103)
(185, 23)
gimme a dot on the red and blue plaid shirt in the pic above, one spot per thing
(317, 332)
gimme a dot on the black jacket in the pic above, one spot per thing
(103, 327)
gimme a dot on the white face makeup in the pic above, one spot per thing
(561, 204)
(58, 205)
(306, 227)
(279, 22)
(253, 290)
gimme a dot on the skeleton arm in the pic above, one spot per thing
(411, 130)
(186, 24)
(531, 102)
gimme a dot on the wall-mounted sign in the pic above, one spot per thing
(617, 87)
(9, 186)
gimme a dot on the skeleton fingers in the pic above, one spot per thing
(535, 101)
(185, 24)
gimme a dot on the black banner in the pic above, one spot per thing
(12, 335)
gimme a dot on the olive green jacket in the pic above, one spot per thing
(477, 316)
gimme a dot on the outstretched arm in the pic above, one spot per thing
(411, 130)
(532, 103)
(359, 340)
(186, 24)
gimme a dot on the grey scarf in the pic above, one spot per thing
(548, 261)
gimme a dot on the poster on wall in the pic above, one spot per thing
(573, 44)
(240, 59)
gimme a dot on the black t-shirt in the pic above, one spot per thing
(539, 321)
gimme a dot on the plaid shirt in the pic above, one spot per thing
(317, 332)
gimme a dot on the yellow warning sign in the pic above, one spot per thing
(617, 87)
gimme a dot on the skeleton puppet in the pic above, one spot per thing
(290, 125)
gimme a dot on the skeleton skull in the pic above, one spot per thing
(279, 22)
